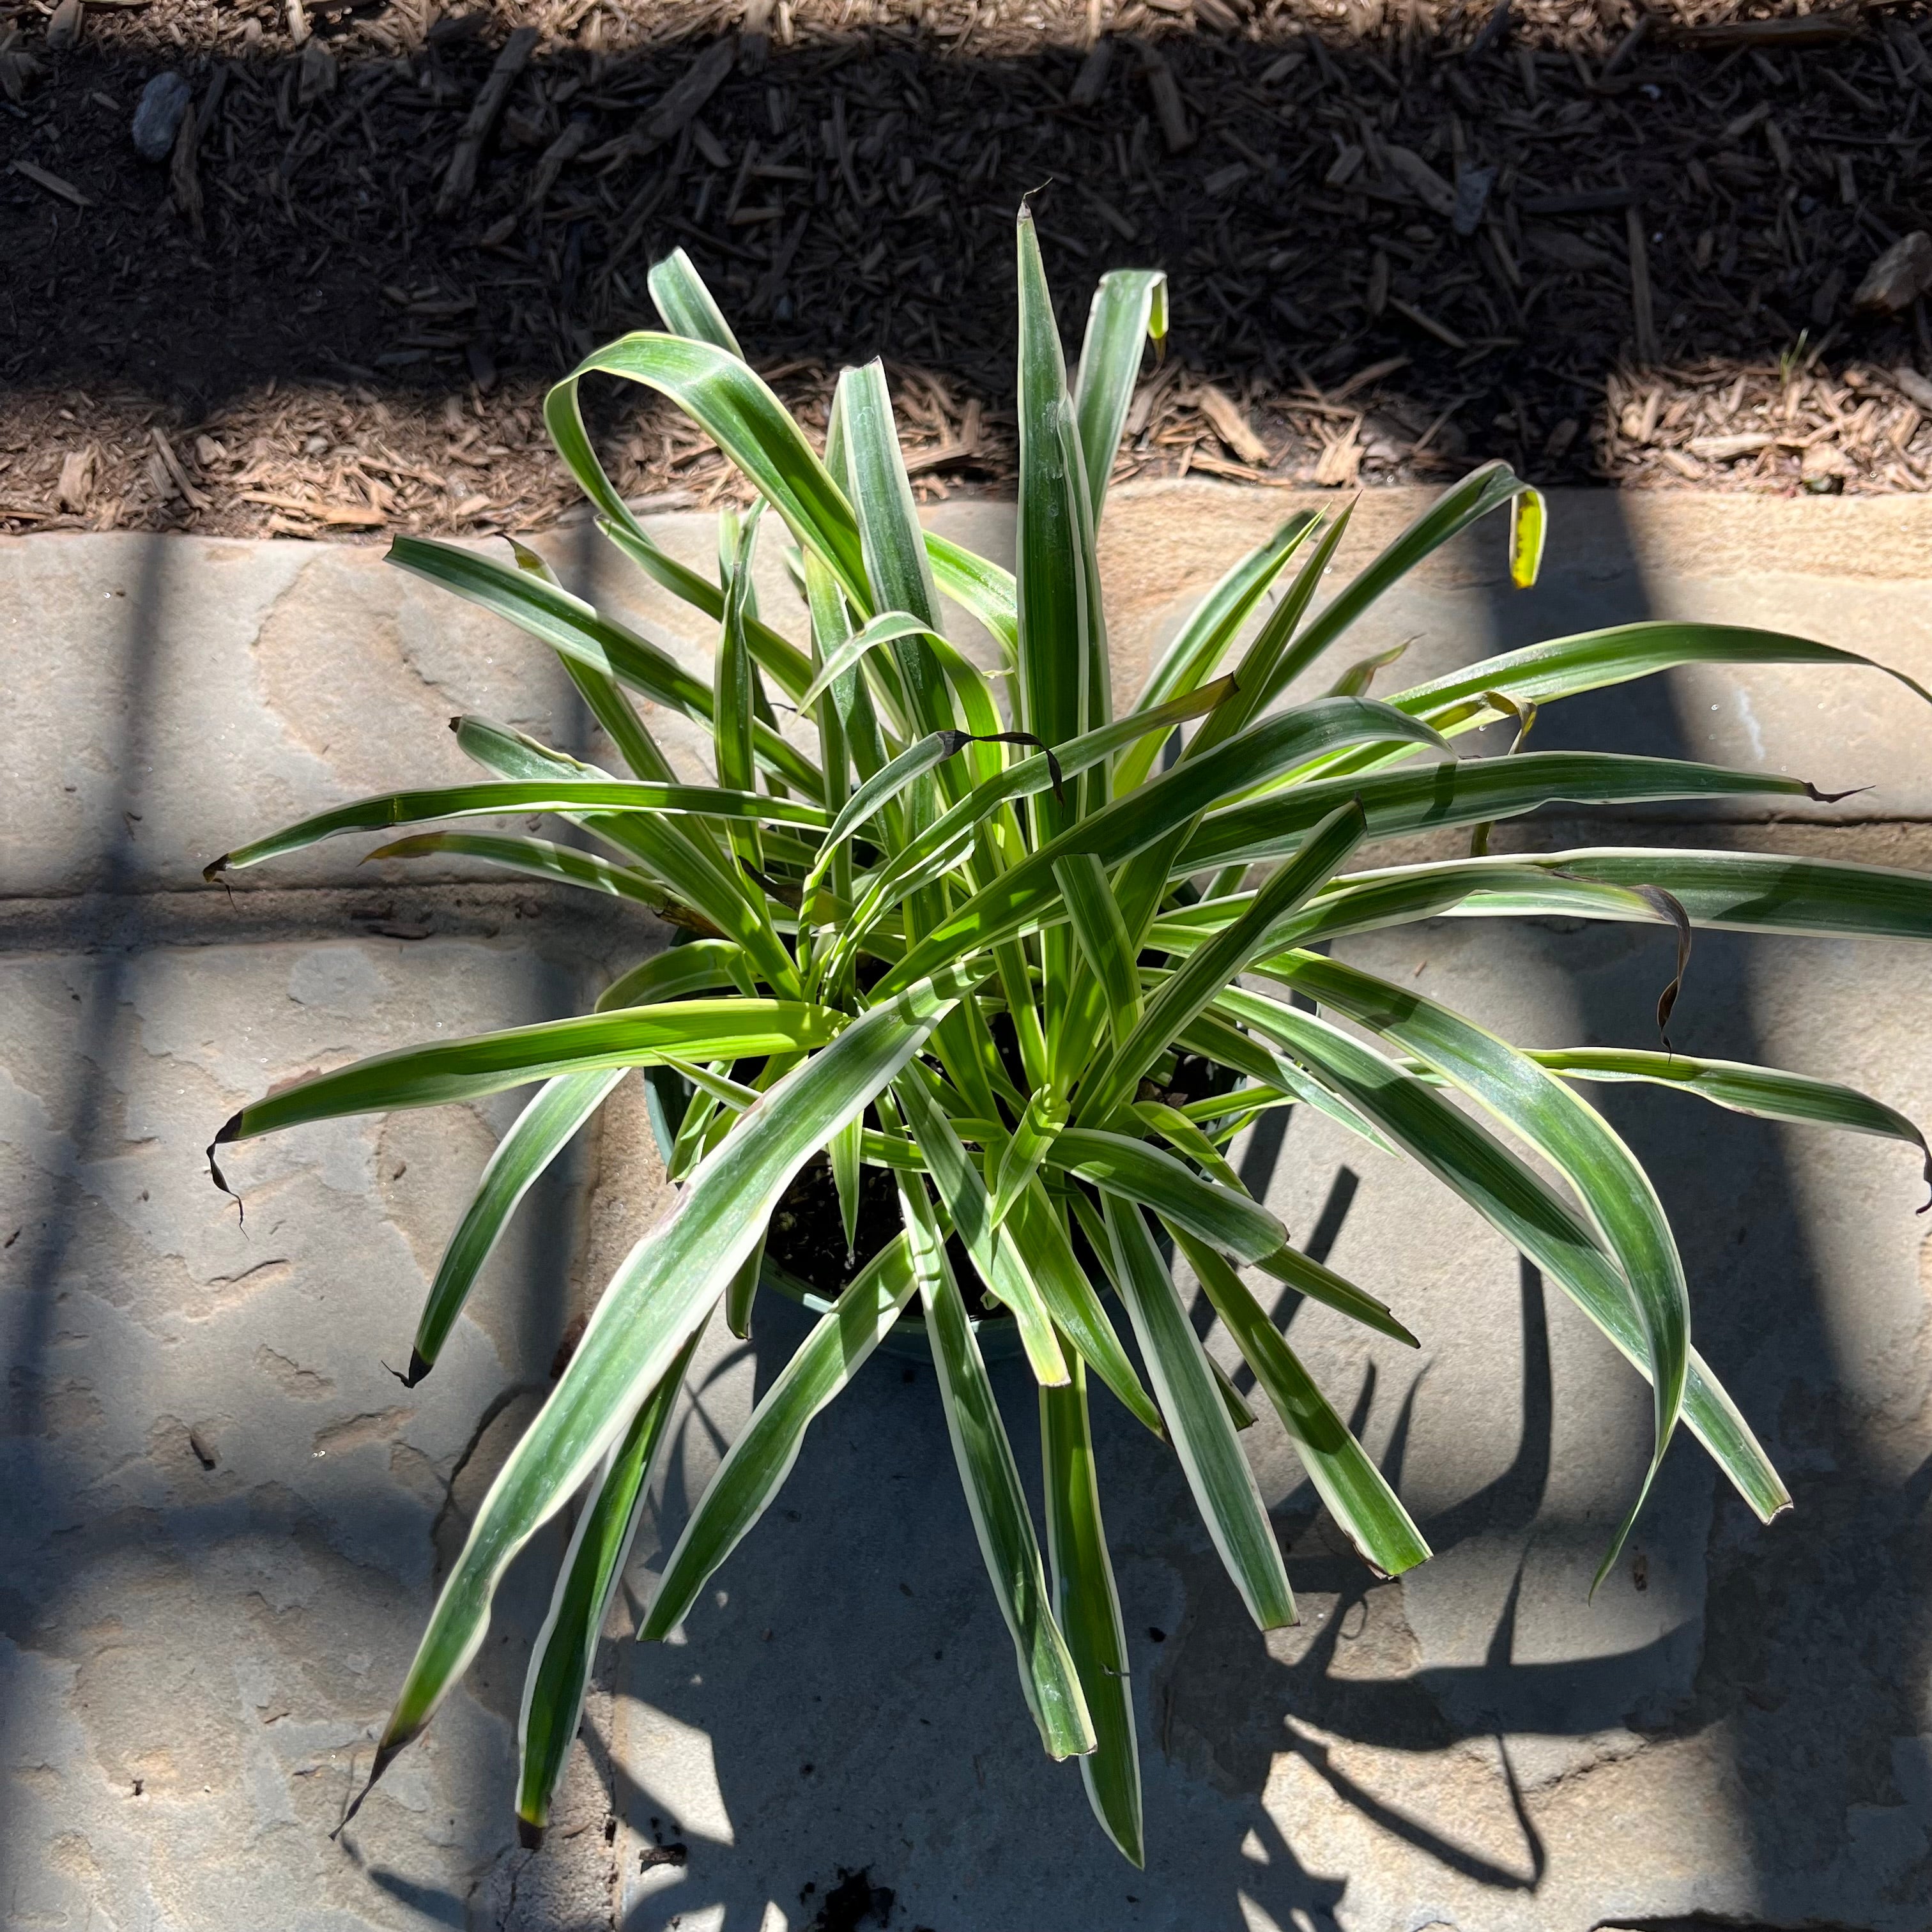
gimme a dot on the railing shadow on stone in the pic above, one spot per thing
(74, 1519)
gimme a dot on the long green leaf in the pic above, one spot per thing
(696, 967)
(593, 1566)
(777, 655)
(1088, 1607)
(691, 865)
(961, 1188)
(1308, 1276)
(1464, 794)
(762, 1457)
(1358, 1496)
(1028, 894)
(1102, 938)
(893, 545)
(1129, 307)
(1190, 991)
(659, 1295)
(1485, 489)
(991, 1482)
(1561, 1126)
(1257, 677)
(1740, 891)
(734, 699)
(607, 795)
(1054, 588)
(536, 858)
(466, 1070)
(607, 703)
(1562, 667)
(983, 590)
(1117, 1164)
(1211, 628)
(1767, 1092)
(1187, 1139)
(543, 607)
(538, 1135)
(740, 414)
(923, 858)
(1045, 1115)
(1204, 1436)
(687, 305)
(577, 630)
(888, 627)
(1524, 1208)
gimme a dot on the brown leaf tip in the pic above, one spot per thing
(214, 1173)
(385, 1756)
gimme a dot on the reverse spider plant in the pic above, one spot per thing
(962, 926)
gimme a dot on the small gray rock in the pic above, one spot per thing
(1898, 278)
(158, 118)
(1472, 199)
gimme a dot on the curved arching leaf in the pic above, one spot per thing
(662, 1292)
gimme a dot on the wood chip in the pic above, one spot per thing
(1341, 459)
(1491, 31)
(1176, 130)
(41, 177)
(1811, 30)
(64, 27)
(677, 105)
(1723, 449)
(1908, 382)
(1584, 201)
(1341, 170)
(566, 147)
(1422, 180)
(1235, 472)
(184, 171)
(315, 73)
(1231, 424)
(1428, 324)
(1092, 78)
(1362, 378)
(354, 516)
(75, 487)
(166, 451)
(1472, 199)
(460, 182)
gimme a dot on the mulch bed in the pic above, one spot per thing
(1606, 244)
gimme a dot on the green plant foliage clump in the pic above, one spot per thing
(959, 926)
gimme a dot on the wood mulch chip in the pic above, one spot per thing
(1662, 247)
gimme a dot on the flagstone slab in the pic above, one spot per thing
(226, 1518)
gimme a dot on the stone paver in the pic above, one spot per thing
(226, 1518)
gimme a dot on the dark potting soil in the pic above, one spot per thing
(807, 1235)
